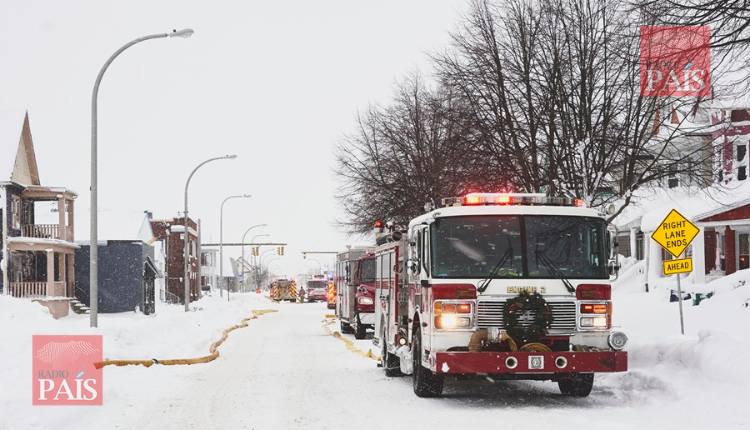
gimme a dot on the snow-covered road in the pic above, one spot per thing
(285, 372)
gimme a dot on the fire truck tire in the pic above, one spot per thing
(359, 329)
(576, 384)
(346, 328)
(390, 362)
(426, 383)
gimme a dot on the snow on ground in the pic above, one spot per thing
(284, 371)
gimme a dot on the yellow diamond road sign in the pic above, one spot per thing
(675, 233)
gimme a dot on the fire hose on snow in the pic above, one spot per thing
(214, 352)
(349, 344)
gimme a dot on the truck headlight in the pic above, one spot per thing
(452, 321)
(364, 301)
(594, 322)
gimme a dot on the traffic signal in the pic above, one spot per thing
(304, 255)
(255, 250)
(280, 250)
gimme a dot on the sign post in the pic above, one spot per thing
(674, 235)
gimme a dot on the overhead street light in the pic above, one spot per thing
(221, 242)
(93, 242)
(186, 254)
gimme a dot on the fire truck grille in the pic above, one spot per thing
(490, 314)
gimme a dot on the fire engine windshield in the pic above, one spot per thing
(368, 271)
(316, 284)
(522, 246)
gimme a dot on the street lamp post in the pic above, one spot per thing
(242, 252)
(252, 241)
(221, 243)
(93, 246)
(320, 266)
(186, 254)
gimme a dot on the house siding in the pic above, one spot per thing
(121, 280)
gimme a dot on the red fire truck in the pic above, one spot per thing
(317, 288)
(514, 286)
(355, 287)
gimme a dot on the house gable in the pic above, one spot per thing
(16, 144)
(734, 214)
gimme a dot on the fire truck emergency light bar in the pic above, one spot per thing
(478, 199)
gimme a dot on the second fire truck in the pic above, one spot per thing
(514, 286)
(355, 289)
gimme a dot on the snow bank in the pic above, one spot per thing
(169, 333)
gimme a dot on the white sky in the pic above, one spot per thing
(275, 82)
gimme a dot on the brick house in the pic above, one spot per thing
(37, 260)
(721, 208)
(171, 234)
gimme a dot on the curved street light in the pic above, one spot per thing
(320, 266)
(243, 255)
(221, 242)
(94, 249)
(186, 254)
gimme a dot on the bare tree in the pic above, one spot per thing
(414, 151)
(554, 88)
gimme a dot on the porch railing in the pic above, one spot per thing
(35, 289)
(42, 231)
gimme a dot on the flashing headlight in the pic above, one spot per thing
(364, 301)
(472, 200)
(452, 315)
(594, 308)
(452, 322)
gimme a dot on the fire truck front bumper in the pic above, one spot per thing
(529, 362)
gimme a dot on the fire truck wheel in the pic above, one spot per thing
(390, 362)
(426, 383)
(359, 329)
(576, 384)
(346, 328)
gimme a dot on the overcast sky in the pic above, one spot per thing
(275, 82)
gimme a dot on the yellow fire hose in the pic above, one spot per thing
(214, 352)
(349, 344)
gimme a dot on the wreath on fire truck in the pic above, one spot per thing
(527, 317)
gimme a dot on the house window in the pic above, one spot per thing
(15, 212)
(744, 251)
(741, 162)
(672, 180)
(639, 246)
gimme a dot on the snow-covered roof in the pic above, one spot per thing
(37, 241)
(730, 81)
(652, 206)
(11, 127)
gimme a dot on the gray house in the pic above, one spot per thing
(127, 272)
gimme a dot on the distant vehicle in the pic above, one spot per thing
(331, 296)
(317, 289)
(355, 290)
(284, 289)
